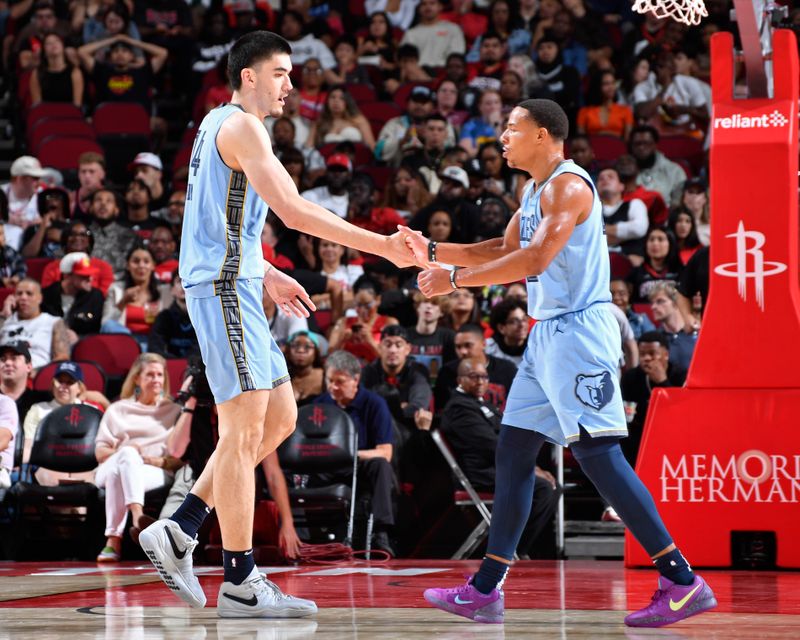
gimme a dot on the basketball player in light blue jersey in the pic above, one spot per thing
(566, 390)
(233, 177)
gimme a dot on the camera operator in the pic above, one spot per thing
(195, 444)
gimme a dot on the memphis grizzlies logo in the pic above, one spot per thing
(594, 391)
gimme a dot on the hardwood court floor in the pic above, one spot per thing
(548, 600)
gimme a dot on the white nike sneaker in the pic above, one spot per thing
(258, 597)
(170, 551)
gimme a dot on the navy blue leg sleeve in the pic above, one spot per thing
(515, 463)
(605, 465)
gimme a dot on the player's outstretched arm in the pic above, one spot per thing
(565, 203)
(467, 255)
(244, 145)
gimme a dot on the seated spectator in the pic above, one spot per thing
(340, 120)
(312, 97)
(431, 344)
(660, 262)
(654, 370)
(373, 422)
(137, 201)
(399, 380)
(163, 247)
(12, 265)
(119, 79)
(603, 115)
(675, 104)
(448, 105)
(494, 218)
(487, 126)
(362, 211)
(486, 72)
(74, 298)
(621, 296)
(680, 336)
(172, 212)
(462, 309)
(656, 171)
(15, 374)
(683, 225)
(91, 177)
(304, 361)
(56, 79)
(505, 21)
(452, 197)
(360, 334)
(304, 46)
(111, 241)
(512, 91)
(470, 344)
(132, 447)
(401, 133)
(77, 238)
(28, 43)
(98, 23)
(434, 38)
(9, 428)
(408, 69)
(429, 158)
(67, 387)
(626, 221)
(172, 335)
(391, 14)
(333, 194)
(407, 192)
(693, 288)
(628, 171)
(440, 226)
(471, 426)
(348, 69)
(333, 264)
(509, 320)
(134, 301)
(501, 181)
(582, 154)
(23, 319)
(562, 79)
(43, 240)
(694, 199)
(149, 168)
(302, 127)
(23, 212)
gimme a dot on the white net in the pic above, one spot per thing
(686, 11)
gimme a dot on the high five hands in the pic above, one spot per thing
(434, 280)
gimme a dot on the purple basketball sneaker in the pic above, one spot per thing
(467, 601)
(673, 602)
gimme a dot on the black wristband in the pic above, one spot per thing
(432, 251)
(187, 410)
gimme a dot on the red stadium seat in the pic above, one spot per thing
(607, 148)
(361, 92)
(5, 292)
(52, 110)
(45, 127)
(62, 152)
(176, 368)
(114, 352)
(645, 308)
(121, 118)
(380, 175)
(684, 148)
(35, 267)
(93, 376)
(381, 111)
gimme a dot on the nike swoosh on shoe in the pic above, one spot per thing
(178, 553)
(458, 600)
(252, 601)
(677, 606)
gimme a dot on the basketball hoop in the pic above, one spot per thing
(687, 11)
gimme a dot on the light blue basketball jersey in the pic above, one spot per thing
(579, 275)
(223, 218)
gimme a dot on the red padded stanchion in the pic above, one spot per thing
(723, 453)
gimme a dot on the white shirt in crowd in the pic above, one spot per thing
(311, 47)
(638, 221)
(37, 332)
(324, 198)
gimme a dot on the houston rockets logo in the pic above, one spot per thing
(317, 417)
(74, 417)
(760, 268)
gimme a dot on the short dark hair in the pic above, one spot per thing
(435, 116)
(644, 128)
(251, 49)
(547, 114)
(655, 336)
(502, 310)
(394, 331)
(471, 328)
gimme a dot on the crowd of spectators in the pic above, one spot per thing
(394, 118)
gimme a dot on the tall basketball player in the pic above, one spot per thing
(233, 177)
(566, 390)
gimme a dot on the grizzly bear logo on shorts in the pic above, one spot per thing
(594, 391)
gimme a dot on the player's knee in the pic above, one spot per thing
(245, 438)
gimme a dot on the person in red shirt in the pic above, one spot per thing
(77, 237)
